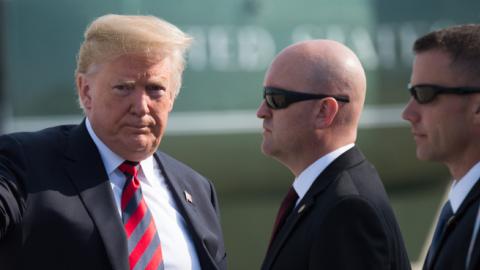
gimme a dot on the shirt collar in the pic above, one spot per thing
(460, 188)
(148, 168)
(111, 160)
(306, 178)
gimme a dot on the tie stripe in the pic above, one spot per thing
(132, 206)
(134, 220)
(138, 233)
(155, 262)
(138, 251)
(144, 245)
(130, 189)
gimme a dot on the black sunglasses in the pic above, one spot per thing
(277, 98)
(425, 93)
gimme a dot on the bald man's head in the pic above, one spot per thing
(321, 67)
(298, 129)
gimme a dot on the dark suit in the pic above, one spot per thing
(455, 242)
(57, 209)
(343, 222)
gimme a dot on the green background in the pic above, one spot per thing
(40, 40)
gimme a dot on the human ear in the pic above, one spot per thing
(326, 112)
(84, 91)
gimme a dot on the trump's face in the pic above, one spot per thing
(127, 101)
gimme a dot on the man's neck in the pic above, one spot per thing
(298, 165)
(459, 169)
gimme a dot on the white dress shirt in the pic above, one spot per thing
(460, 188)
(177, 245)
(306, 178)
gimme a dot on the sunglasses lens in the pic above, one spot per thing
(275, 101)
(423, 94)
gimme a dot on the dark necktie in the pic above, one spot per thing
(445, 215)
(286, 207)
(144, 249)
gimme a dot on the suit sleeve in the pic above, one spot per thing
(12, 199)
(352, 237)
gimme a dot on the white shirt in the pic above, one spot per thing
(177, 246)
(306, 178)
(461, 188)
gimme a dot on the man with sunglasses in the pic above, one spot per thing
(444, 113)
(336, 214)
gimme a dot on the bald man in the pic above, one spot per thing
(336, 214)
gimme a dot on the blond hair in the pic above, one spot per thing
(111, 35)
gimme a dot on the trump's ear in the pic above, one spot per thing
(84, 91)
(326, 112)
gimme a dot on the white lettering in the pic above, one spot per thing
(363, 45)
(251, 48)
(408, 35)
(301, 33)
(197, 55)
(220, 48)
(386, 47)
(337, 33)
(256, 48)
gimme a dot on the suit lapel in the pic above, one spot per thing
(182, 193)
(475, 255)
(301, 210)
(471, 198)
(321, 183)
(472, 201)
(85, 168)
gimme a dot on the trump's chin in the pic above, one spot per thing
(139, 148)
(138, 154)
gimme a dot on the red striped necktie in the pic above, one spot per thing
(144, 249)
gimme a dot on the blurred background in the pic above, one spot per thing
(213, 127)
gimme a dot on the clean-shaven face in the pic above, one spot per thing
(288, 131)
(440, 128)
(127, 101)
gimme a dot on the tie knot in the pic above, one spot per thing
(129, 168)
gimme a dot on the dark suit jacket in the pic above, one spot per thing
(57, 209)
(343, 222)
(455, 242)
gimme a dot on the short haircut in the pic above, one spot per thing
(111, 35)
(460, 42)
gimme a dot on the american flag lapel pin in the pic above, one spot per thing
(188, 197)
